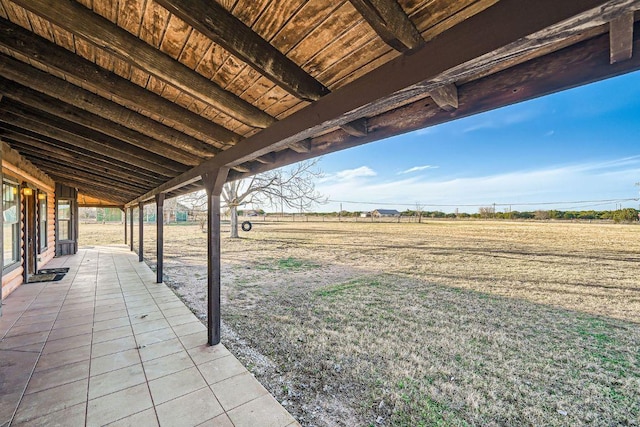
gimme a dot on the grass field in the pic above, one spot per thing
(440, 323)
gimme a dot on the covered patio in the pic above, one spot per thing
(106, 345)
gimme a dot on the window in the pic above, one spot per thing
(42, 218)
(64, 220)
(11, 225)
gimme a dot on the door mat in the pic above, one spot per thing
(53, 270)
(50, 277)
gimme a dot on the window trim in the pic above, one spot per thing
(70, 221)
(18, 262)
(42, 249)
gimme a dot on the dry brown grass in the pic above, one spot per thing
(442, 323)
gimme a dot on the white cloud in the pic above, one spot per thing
(586, 181)
(350, 174)
(418, 169)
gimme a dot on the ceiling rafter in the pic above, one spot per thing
(80, 117)
(37, 49)
(390, 22)
(31, 122)
(103, 162)
(32, 147)
(107, 36)
(68, 93)
(213, 20)
(505, 26)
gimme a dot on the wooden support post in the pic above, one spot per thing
(1, 230)
(213, 182)
(621, 38)
(140, 232)
(160, 236)
(131, 228)
(124, 211)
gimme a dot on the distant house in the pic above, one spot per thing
(381, 213)
(365, 214)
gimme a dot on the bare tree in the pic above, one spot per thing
(419, 211)
(292, 187)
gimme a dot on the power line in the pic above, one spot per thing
(574, 202)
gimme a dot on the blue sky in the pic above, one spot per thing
(577, 145)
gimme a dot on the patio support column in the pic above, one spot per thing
(213, 182)
(131, 228)
(140, 232)
(124, 211)
(160, 236)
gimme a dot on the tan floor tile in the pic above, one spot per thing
(194, 340)
(160, 349)
(112, 334)
(73, 313)
(72, 416)
(219, 421)
(182, 319)
(31, 328)
(238, 390)
(15, 368)
(150, 325)
(53, 346)
(99, 317)
(48, 401)
(65, 357)
(117, 380)
(8, 404)
(110, 307)
(190, 410)
(113, 346)
(24, 320)
(112, 362)
(206, 353)
(23, 340)
(189, 328)
(175, 385)
(221, 369)
(73, 321)
(264, 412)
(115, 406)
(166, 365)
(176, 310)
(148, 338)
(71, 331)
(54, 377)
(145, 418)
(146, 317)
(111, 324)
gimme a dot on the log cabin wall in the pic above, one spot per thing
(18, 170)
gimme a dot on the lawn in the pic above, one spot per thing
(439, 323)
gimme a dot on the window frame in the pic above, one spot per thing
(67, 220)
(16, 229)
(43, 217)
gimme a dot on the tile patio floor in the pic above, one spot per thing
(106, 345)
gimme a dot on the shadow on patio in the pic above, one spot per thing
(107, 344)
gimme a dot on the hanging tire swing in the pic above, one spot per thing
(246, 226)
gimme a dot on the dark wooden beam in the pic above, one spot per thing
(508, 26)
(213, 182)
(53, 127)
(41, 51)
(445, 96)
(59, 148)
(34, 148)
(583, 63)
(97, 190)
(388, 19)
(50, 166)
(213, 20)
(83, 118)
(27, 76)
(159, 236)
(621, 37)
(266, 159)
(116, 41)
(131, 228)
(300, 146)
(141, 232)
(356, 128)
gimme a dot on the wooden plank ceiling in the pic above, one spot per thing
(123, 99)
